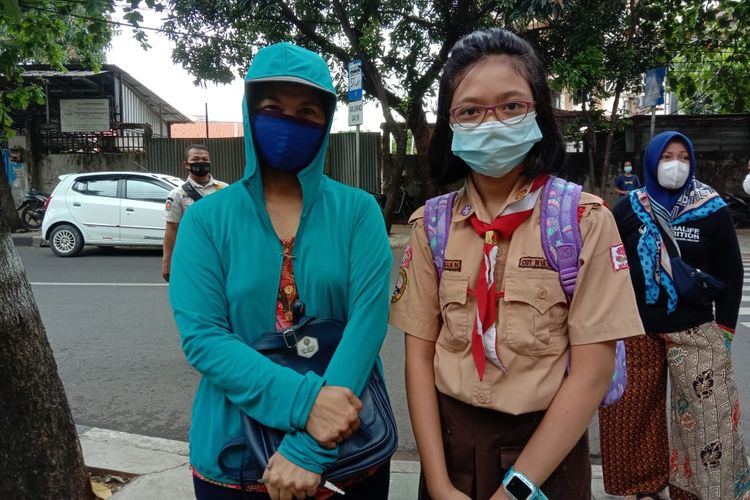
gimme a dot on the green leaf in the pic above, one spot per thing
(10, 10)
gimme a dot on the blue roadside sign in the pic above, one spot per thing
(355, 80)
(653, 90)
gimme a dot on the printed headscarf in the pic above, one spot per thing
(654, 205)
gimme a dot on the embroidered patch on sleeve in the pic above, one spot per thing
(619, 259)
(408, 253)
(398, 292)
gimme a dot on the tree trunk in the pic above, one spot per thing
(7, 205)
(591, 143)
(40, 455)
(394, 164)
(420, 130)
(610, 139)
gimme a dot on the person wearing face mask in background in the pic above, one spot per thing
(199, 183)
(494, 414)
(746, 182)
(246, 254)
(704, 457)
(628, 181)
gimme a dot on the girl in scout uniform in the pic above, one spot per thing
(494, 414)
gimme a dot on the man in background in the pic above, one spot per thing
(199, 183)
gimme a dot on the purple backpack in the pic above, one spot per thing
(561, 241)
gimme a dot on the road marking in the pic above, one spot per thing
(745, 310)
(746, 324)
(51, 283)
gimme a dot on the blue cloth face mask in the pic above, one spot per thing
(494, 148)
(286, 143)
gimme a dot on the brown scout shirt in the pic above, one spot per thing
(534, 324)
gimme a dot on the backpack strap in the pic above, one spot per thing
(191, 191)
(438, 212)
(561, 241)
(561, 236)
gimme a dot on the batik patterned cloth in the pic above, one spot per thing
(707, 455)
(704, 456)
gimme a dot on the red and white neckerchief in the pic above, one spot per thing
(484, 334)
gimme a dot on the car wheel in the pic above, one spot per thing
(66, 241)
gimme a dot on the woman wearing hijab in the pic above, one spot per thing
(705, 456)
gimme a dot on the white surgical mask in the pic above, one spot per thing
(627, 169)
(494, 148)
(672, 174)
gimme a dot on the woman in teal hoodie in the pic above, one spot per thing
(243, 256)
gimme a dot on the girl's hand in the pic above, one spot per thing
(451, 493)
(500, 495)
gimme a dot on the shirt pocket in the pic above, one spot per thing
(454, 309)
(535, 314)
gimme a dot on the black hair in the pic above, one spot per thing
(547, 155)
(202, 147)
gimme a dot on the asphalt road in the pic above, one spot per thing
(109, 323)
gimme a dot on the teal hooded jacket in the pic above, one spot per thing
(224, 281)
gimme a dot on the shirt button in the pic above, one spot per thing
(542, 293)
(499, 251)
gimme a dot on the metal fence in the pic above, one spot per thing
(343, 160)
(126, 137)
(228, 158)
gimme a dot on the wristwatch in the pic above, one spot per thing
(520, 487)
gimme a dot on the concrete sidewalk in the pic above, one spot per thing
(163, 470)
(28, 239)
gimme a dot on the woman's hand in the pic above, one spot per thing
(334, 416)
(286, 481)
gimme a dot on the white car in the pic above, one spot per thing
(107, 209)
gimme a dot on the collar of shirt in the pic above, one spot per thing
(211, 182)
(469, 201)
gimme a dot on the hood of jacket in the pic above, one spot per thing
(286, 62)
(667, 198)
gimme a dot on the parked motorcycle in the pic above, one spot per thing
(739, 207)
(405, 206)
(31, 211)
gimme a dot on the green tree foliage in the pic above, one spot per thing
(709, 44)
(402, 44)
(47, 32)
(596, 49)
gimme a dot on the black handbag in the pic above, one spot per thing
(693, 285)
(308, 346)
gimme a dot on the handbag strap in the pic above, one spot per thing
(673, 249)
(277, 340)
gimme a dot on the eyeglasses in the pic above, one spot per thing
(472, 115)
